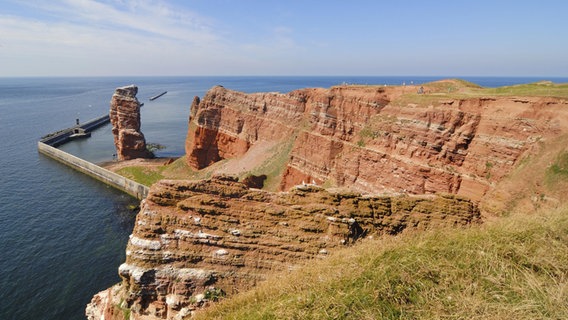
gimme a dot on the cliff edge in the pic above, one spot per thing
(378, 139)
(353, 161)
(194, 241)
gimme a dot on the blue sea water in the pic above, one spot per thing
(63, 234)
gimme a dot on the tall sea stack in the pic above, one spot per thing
(125, 119)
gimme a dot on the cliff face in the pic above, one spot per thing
(125, 120)
(191, 236)
(377, 139)
(195, 240)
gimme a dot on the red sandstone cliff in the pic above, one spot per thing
(193, 236)
(377, 139)
(125, 119)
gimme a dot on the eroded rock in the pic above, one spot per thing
(191, 236)
(125, 119)
(369, 139)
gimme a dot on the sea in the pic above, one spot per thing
(63, 234)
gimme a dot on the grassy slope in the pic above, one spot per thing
(541, 89)
(150, 174)
(513, 268)
(460, 89)
(538, 182)
(144, 175)
(273, 166)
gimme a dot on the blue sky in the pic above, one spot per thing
(246, 37)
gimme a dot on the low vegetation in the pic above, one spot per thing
(274, 165)
(514, 268)
(460, 89)
(140, 174)
(543, 88)
(150, 173)
(179, 169)
(557, 172)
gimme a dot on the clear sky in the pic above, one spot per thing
(293, 37)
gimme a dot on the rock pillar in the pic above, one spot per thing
(125, 118)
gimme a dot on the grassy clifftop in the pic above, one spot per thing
(513, 268)
(536, 89)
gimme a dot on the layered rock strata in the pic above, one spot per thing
(195, 239)
(125, 119)
(375, 138)
(191, 236)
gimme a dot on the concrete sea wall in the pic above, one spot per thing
(133, 188)
(47, 146)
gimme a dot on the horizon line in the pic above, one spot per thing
(283, 76)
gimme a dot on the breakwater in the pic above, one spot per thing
(60, 137)
(48, 146)
(157, 96)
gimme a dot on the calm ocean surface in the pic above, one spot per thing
(63, 234)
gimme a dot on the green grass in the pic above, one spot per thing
(514, 268)
(543, 88)
(460, 89)
(452, 84)
(272, 167)
(180, 170)
(558, 171)
(275, 165)
(177, 170)
(142, 175)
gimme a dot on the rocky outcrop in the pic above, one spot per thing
(378, 139)
(125, 119)
(196, 239)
